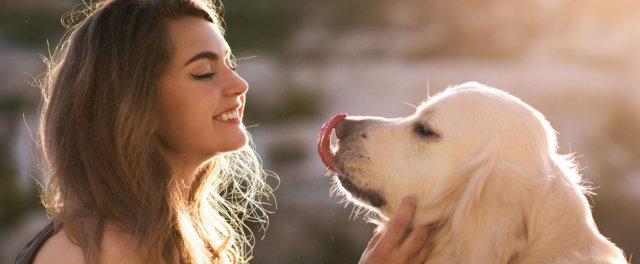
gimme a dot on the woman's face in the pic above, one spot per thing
(202, 97)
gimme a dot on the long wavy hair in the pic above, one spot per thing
(99, 139)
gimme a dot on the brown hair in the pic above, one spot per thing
(100, 143)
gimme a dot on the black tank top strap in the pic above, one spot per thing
(29, 252)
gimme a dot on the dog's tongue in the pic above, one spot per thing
(325, 150)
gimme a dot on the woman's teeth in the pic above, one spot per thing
(228, 116)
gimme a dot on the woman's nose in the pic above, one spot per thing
(236, 86)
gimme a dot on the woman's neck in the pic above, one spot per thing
(183, 168)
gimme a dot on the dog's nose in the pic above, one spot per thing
(348, 128)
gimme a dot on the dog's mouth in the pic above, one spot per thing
(372, 197)
(326, 151)
(327, 154)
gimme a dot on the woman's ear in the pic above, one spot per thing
(492, 209)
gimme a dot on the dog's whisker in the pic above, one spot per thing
(410, 104)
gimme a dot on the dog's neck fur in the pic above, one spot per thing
(539, 236)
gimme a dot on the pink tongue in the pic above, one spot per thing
(325, 150)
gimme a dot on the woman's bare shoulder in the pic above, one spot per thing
(59, 249)
(116, 247)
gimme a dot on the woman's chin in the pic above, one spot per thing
(233, 143)
(241, 143)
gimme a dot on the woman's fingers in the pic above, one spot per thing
(421, 257)
(397, 243)
(374, 240)
(397, 227)
(414, 244)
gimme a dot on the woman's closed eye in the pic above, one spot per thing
(203, 76)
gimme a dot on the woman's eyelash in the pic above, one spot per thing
(202, 76)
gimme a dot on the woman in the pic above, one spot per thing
(147, 159)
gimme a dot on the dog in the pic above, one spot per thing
(484, 168)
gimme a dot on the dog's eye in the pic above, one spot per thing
(425, 131)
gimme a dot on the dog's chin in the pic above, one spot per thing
(371, 197)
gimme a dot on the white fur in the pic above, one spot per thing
(492, 187)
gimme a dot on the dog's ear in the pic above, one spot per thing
(493, 210)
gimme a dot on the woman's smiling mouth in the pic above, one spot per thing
(232, 116)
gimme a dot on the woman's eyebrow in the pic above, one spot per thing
(205, 54)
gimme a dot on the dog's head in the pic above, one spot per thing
(452, 144)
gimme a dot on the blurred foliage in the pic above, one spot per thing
(31, 23)
(283, 153)
(261, 24)
(311, 233)
(338, 247)
(14, 201)
(347, 15)
(290, 103)
(623, 129)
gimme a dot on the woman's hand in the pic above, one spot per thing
(397, 243)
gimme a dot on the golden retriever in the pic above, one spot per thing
(484, 168)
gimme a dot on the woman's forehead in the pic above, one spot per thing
(191, 36)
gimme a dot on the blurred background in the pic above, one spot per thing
(576, 61)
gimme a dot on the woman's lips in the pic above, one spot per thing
(325, 150)
(231, 115)
(228, 116)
